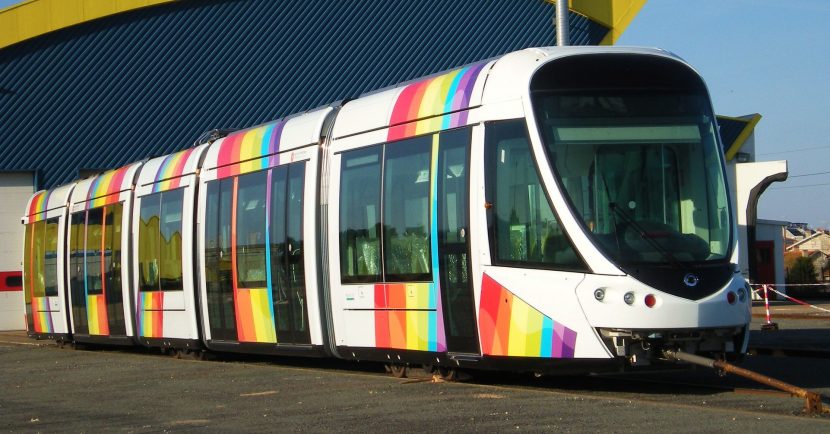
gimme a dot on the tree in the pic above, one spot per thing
(801, 271)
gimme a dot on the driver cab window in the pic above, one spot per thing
(523, 227)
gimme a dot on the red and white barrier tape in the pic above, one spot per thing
(795, 300)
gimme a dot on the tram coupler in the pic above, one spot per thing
(812, 400)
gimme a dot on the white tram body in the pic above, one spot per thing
(44, 256)
(550, 209)
(163, 223)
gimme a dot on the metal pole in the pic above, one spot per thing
(812, 400)
(563, 31)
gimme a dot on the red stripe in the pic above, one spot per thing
(382, 338)
(380, 296)
(158, 315)
(488, 312)
(502, 336)
(228, 155)
(405, 110)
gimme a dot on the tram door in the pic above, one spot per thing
(254, 257)
(453, 242)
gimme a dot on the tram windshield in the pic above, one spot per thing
(638, 158)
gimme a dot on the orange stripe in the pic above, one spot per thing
(397, 328)
(502, 335)
(245, 318)
(103, 321)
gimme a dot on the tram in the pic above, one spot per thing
(552, 209)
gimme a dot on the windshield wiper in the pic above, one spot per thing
(667, 255)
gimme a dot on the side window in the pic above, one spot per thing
(524, 231)
(148, 243)
(250, 230)
(160, 241)
(50, 258)
(94, 251)
(360, 216)
(170, 240)
(406, 187)
(33, 265)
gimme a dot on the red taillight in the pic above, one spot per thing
(731, 297)
(650, 300)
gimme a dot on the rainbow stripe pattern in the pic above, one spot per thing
(510, 327)
(105, 188)
(406, 316)
(41, 318)
(254, 307)
(38, 206)
(410, 315)
(254, 315)
(151, 314)
(171, 170)
(96, 311)
(250, 150)
(434, 104)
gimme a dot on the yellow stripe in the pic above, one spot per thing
(263, 324)
(517, 345)
(412, 329)
(533, 339)
(92, 312)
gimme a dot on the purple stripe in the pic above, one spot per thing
(463, 94)
(569, 344)
(558, 335)
(274, 144)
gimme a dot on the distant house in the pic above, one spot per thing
(816, 246)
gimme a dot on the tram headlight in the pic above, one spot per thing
(629, 298)
(599, 294)
(742, 295)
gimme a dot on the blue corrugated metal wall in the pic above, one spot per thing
(149, 82)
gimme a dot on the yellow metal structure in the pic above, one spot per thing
(749, 127)
(615, 15)
(31, 18)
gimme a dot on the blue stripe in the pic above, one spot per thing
(546, 347)
(268, 280)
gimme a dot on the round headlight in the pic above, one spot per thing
(629, 298)
(599, 294)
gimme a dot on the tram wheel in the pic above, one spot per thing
(428, 368)
(397, 370)
(447, 374)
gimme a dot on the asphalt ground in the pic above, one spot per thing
(44, 388)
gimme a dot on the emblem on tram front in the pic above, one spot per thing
(691, 280)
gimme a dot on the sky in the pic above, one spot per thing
(758, 56)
